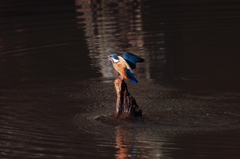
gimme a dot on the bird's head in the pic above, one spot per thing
(113, 58)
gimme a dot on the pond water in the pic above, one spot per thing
(57, 95)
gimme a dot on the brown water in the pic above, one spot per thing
(57, 96)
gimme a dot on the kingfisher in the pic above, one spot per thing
(125, 64)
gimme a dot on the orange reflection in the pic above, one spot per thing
(123, 144)
(134, 143)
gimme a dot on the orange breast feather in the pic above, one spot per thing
(121, 67)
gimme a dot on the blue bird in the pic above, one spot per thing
(124, 65)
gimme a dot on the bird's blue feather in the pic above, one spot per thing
(131, 76)
(132, 59)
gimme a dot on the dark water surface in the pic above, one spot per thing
(57, 96)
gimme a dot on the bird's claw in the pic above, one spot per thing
(120, 77)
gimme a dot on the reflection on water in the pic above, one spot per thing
(57, 96)
(124, 144)
(110, 28)
(135, 144)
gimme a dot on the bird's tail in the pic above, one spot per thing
(134, 81)
(131, 77)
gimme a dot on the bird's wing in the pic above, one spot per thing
(132, 59)
(124, 63)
